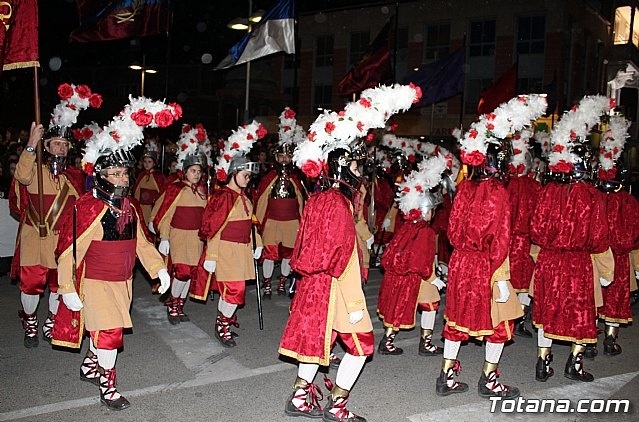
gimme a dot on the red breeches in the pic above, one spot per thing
(107, 339)
(35, 278)
(356, 344)
(184, 272)
(232, 291)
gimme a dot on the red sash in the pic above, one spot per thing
(237, 231)
(148, 196)
(111, 260)
(285, 209)
(187, 218)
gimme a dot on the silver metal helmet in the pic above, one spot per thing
(198, 158)
(242, 163)
(118, 158)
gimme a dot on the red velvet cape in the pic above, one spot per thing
(569, 224)
(622, 210)
(479, 231)
(523, 192)
(322, 250)
(68, 329)
(407, 261)
(215, 213)
(157, 176)
(19, 206)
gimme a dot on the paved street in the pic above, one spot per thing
(181, 373)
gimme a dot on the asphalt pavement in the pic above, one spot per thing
(181, 373)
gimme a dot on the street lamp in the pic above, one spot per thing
(245, 24)
(143, 70)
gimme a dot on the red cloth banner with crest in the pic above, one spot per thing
(18, 34)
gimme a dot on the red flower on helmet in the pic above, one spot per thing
(83, 91)
(312, 168)
(164, 118)
(474, 158)
(95, 100)
(65, 91)
(142, 117)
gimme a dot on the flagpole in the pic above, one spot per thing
(248, 69)
(463, 106)
(42, 229)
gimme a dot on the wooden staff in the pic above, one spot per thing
(42, 227)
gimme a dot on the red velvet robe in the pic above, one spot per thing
(407, 260)
(622, 210)
(323, 248)
(569, 224)
(479, 231)
(383, 201)
(440, 225)
(523, 192)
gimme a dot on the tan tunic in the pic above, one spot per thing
(511, 309)
(362, 230)
(603, 265)
(428, 293)
(347, 296)
(185, 245)
(147, 182)
(275, 231)
(106, 303)
(234, 260)
(35, 250)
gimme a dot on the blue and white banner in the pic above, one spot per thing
(274, 33)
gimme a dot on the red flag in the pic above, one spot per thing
(374, 68)
(19, 34)
(500, 92)
(103, 20)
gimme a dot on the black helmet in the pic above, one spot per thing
(619, 180)
(118, 158)
(497, 157)
(582, 162)
(339, 167)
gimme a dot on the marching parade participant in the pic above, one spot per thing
(279, 205)
(103, 228)
(329, 302)
(622, 210)
(177, 217)
(523, 191)
(227, 230)
(569, 225)
(150, 181)
(34, 261)
(480, 300)
(409, 281)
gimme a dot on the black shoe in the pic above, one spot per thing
(498, 389)
(94, 380)
(611, 348)
(387, 346)
(173, 319)
(575, 370)
(426, 348)
(31, 342)
(441, 385)
(327, 416)
(521, 330)
(591, 352)
(311, 411)
(543, 371)
(117, 404)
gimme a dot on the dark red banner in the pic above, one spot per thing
(104, 20)
(18, 34)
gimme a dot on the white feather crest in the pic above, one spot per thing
(573, 127)
(238, 144)
(290, 132)
(193, 140)
(412, 194)
(613, 142)
(331, 130)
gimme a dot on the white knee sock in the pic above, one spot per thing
(285, 267)
(177, 286)
(543, 341)
(185, 290)
(428, 319)
(612, 324)
(493, 352)
(451, 349)
(92, 347)
(524, 299)
(29, 302)
(267, 268)
(349, 370)
(106, 358)
(227, 309)
(54, 302)
(307, 371)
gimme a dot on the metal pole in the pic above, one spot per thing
(142, 84)
(248, 69)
